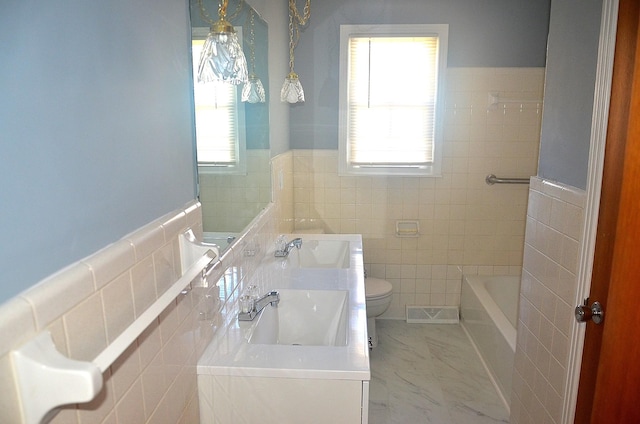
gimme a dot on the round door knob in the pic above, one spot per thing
(597, 315)
(583, 313)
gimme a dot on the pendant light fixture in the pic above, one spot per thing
(222, 58)
(253, 90)
(292, 91)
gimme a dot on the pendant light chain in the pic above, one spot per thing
(252, 42)
(236, 12)
(301, 20)
(292, 44)
(292, 91)
(222, 11)
(253, 90)
(295, 22)
(204, 14)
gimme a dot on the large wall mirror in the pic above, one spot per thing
(232, 196)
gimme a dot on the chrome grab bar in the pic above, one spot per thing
(492, 179)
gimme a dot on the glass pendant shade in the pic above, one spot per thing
(222, 58)
(253, 90)
(292, 91)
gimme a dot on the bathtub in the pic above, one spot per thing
(489, 314)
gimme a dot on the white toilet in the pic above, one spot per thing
(378, 298)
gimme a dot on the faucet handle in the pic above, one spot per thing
(247, 303)
(281, 243)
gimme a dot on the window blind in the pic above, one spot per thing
(216, 119)
(392, 100)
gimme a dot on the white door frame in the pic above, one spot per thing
(600, 116)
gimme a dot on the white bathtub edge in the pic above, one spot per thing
(496, 386)
(503, 324)
(491, 333)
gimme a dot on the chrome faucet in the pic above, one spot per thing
(282, 252)
(272, 298)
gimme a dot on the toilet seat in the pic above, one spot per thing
(376, 288)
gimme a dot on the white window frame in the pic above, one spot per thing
(345, 167)
(239, 167)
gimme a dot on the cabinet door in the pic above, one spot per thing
(233, 400)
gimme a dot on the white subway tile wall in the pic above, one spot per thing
(230, 202)
(89, 303)
(283, 189)
(465, 225)
(549, 282)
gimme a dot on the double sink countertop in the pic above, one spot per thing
(230, 352)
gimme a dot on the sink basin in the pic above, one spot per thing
(304, 317)
(324, 254)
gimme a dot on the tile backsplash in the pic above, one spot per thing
(549, 282)
(88, 304)
(465, 225)
(229, 202)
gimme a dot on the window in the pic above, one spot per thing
(220, 127)
(391, 102)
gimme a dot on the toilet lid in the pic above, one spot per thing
(375, 287)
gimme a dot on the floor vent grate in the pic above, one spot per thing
(432, 315)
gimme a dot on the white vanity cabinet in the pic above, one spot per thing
(234, 400)
(246, 379)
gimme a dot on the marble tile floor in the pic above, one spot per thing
(429, 373)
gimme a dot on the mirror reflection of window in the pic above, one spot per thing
(219, 115)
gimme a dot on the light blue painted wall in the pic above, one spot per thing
(482, 33)
(95, 126)
(569, 91)
(275, 12)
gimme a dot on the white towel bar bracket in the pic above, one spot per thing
(45, 378)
